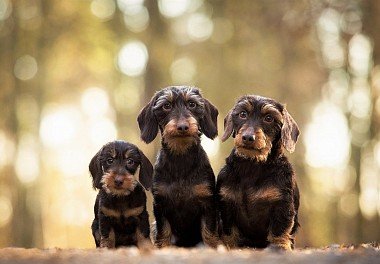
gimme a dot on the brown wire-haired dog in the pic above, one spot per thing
(257, 191)
(183, 182)
(120, 212)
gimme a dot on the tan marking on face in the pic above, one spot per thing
(271, 109)
(269, 194)
(209, 238)
(202, 190)
(110, 212)
(162, 239)
(284, 240)
(128, 153)
(113, 152)
(108, 242)
(133, 211)
(231, 241)
(260, 148)
(246, 104)
(231, 195)
(179, 143)
(108, 184)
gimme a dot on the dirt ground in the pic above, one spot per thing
(366, 253)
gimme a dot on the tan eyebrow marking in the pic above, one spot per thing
(271, 109)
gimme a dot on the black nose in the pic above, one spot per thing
(182, 127)
(118, 183)
(248, 139)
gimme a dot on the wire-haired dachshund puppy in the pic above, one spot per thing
(121, 218)
(258, 196)
(183, 181)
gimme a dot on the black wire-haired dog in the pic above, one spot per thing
(183, 182)
(258, 196)
(121, 218)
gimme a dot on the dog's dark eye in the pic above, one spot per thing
(109, 161)
(167, 106)
(243, 114)
(268, 118)
(130, 162)
(192, 104)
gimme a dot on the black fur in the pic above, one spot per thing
(184, 182)
(121, 218)
(258, 199)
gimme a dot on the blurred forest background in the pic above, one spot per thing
(75, 73)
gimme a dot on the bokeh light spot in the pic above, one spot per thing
(199, 27)
(138, 21)
(103, 9)
(130, 7)
(327, 138)
(5, 9)
(25, 68)
(95, 102)
(6, 211)
(59, 126)
(132, 58)
(173, 8)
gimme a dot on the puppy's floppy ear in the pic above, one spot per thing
(96, 170)
(228, 126)
(146, 172)
(209, 122)
(289, 132)
(147, 122)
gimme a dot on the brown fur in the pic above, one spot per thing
(231, 241)
(229, 194)
(108, 242)
(271, 109)
(133, 211)
(270, 194)
(110, 212)
(202, 190)
(108, 181)
(260, 149)
(180, 143)
(285, 240)
(209, 237)
(165, 239)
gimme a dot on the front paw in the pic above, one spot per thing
(108, 242)
(231, 240)
(280, 242)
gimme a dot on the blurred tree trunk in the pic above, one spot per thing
(26, 222)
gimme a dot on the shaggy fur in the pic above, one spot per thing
(184, 182)
(258, 197)
(120, 212)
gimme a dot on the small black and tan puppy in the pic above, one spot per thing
(183, 181)
(121, 218)
(258, 196)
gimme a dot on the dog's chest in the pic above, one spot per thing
(248, 196)
(122, 213)
(182, 191)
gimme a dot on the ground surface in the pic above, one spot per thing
(334, 254)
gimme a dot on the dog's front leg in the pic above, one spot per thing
(229, 233)
(107, 234)
(209, 223)
(281, 223)
(143, 230)
(162, 235)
